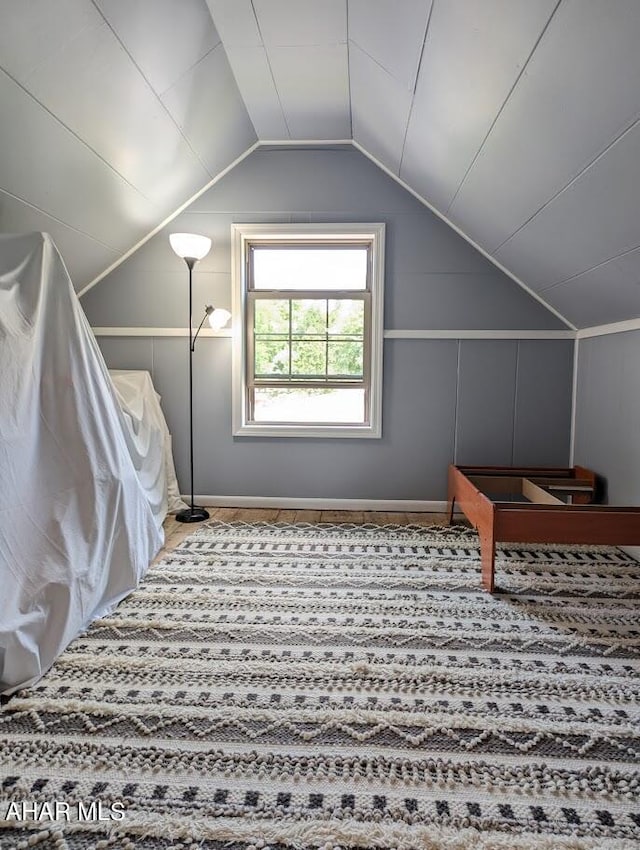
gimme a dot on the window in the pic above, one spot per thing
(308, 359)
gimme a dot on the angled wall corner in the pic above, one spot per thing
(436, 284)
(608, 412)
(436, 279)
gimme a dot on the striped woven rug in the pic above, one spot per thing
(337, 686)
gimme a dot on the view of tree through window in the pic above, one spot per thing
(321, 339)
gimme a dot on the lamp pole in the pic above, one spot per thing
(192, 247)
(193, 513)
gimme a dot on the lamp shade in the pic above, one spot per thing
(190, 245)
(218, 317)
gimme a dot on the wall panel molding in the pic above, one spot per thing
(478, 334)
(613, 328)
(388, 334)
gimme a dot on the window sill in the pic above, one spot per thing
(313, 431)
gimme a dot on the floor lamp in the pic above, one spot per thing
(192, 248)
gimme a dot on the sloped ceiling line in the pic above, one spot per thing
(502, 107)
(158, 94)
(53, 217)
(76, 136)
(635, 123)
(380, 165)
(168, 220)
(415, 85)
(270, 66)
(461, 233)
(594, 268)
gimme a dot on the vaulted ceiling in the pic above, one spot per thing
(517, 121)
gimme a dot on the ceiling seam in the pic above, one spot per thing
(592, 268)
(503, 106)
(157, 96)
(376, 62)
(590, 164)
(273, 79)
(349, 74)
(58, 220)
(180, 129)
(415, 86)
(76, 136)
(188, 70)
(467, 238)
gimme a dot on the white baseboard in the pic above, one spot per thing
(389, 505)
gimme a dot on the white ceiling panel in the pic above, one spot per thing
(84, 257)
(472, 57)
(381, 135)
(253, 75)
(572, 102)
(284, 23)
(236, 22)
(95, 89)
(165, 37)
(594, 304)
(513, 118)
(593, 220)
(313, 85)
(608, 293)
(391, 33)
(44, 164)
(31, 32)
(207, 105)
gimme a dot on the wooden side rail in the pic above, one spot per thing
(547, 520)
(480, 511)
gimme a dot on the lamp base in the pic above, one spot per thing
(194, 514)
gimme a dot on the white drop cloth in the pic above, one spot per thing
(77, 531)
(148, 439)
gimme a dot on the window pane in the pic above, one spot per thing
(309, 268)
(271, 316)
(309, 316)
(271, 357)
(345, 358)
(345, 406)
(346, 317)
(308, 358)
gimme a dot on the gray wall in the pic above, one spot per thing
(475, 401)
(607, 437)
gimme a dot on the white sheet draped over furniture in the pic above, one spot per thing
(77, 528)
(148, 439)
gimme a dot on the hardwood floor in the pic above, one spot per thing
(175, 531)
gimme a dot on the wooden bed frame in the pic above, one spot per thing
(559, 509)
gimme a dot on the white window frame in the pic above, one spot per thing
(242, 236)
